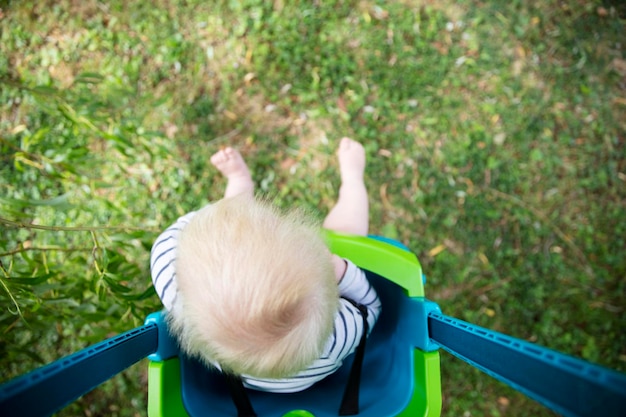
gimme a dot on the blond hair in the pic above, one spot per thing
(257, 292)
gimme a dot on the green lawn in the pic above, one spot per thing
(496, 140)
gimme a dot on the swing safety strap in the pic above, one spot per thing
(239, 396)
(350, 401)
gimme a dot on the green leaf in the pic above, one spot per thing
(147, 293)
(89, 78)
(36, 280)
(45, 90)
(115, 286)
(60, 202)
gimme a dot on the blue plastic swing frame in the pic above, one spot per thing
(566, 384)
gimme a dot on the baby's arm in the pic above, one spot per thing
(340, 267)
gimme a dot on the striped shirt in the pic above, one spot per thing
(348, 326)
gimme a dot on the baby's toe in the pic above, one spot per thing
(345, 143)
(229, 153)
(219, 157)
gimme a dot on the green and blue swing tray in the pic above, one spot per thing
(400, 375)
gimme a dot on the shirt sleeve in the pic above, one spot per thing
(355, 286)
(162, 260)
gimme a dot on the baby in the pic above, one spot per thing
(256, 292)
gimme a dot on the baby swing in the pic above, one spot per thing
(399, 374)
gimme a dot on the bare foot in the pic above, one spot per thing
(350, 214)
(351, 160)
(230, 163)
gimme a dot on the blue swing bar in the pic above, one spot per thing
(565, 384)
(51, 387)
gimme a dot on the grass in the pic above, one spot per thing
(495, 135)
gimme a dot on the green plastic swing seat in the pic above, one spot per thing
(397, 378)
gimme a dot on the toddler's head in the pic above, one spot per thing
(256, 288)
